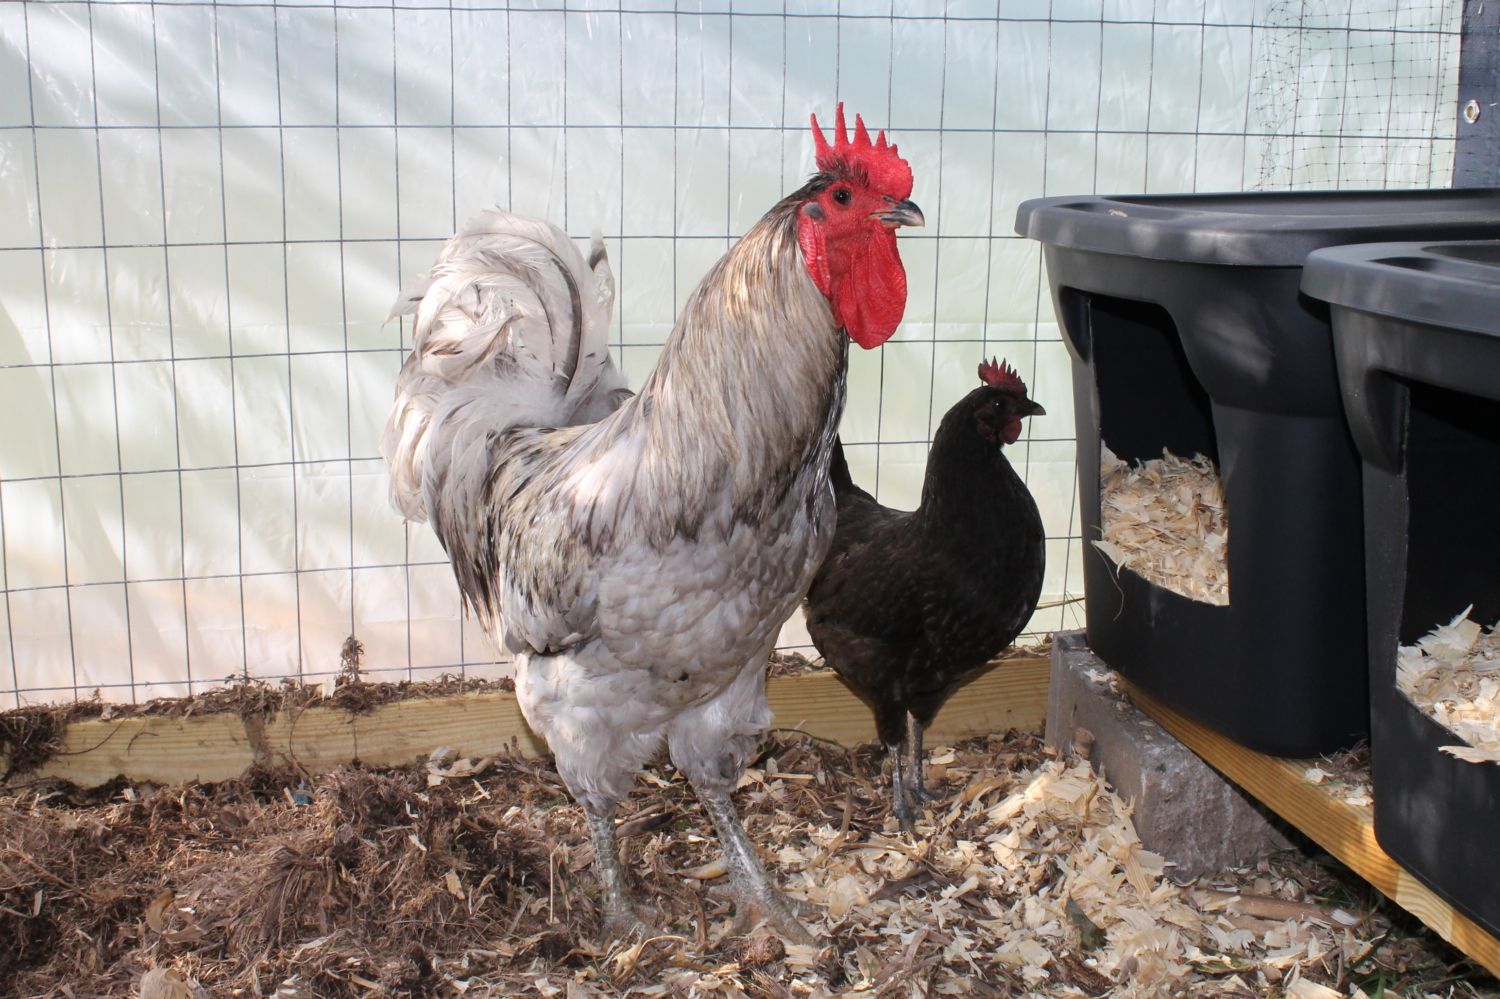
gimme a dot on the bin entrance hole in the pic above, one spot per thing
(1167, 523)
(1149, 398)
(1453, 484)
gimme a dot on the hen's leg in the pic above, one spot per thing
(891, 728)
(711, 744)
(900, 804)
(916, 764)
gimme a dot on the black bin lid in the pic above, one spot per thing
(1452, 284)
(1256, 229)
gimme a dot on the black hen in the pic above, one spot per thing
(907, 605)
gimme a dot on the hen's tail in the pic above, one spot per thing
(838, 469)
(510, 329)
(838, 474)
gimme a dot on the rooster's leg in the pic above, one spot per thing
(620, 919)
(711, 744)
(755, 897)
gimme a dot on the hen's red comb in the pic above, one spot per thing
(1001, 375)
(877, 162)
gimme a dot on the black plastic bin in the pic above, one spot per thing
(1417, 334)
(1188, 332)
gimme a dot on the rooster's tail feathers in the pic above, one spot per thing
(510, 328)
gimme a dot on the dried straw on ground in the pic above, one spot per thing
(1346, 774)
(1453, 674)
(471, 878)
(1166, 520)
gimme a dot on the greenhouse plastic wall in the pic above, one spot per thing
(206, 211)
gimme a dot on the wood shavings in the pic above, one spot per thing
(1304, 989)
(1346, 774)
(1453, 675)
(1166, 520)
(1028, 880)
(715, 868)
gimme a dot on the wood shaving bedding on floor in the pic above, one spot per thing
(473, 878)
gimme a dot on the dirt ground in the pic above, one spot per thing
(472, 878)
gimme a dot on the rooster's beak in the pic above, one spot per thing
(901, 213)
(1030, 408)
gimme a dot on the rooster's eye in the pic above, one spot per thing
(842, 196)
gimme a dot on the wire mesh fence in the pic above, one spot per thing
(1358, 95)
(206, 210)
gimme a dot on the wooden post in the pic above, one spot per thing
(1477, 157)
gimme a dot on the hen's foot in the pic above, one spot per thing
(902, 809)
(727, 891)
(921, 795)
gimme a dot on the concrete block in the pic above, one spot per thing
(1184, 810)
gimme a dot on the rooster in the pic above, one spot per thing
(638, 554)
(910, 604)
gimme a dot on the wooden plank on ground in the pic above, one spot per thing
(1344, 830)
(1007, 695)
(214, 747)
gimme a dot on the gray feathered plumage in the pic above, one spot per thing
(511, 329)
(639, 553)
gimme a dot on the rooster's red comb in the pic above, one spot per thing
(1001, 375)
(877, 163)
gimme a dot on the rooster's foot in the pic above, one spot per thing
(762, 904)
(625, 926)
(756, 899)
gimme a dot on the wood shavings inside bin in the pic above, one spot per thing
(1166, 520)
(1453, 675)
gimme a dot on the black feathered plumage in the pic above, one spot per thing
(908, 605)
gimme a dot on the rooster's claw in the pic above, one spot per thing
(775, 910)
(625, 927)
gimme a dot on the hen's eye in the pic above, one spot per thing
(842, 196)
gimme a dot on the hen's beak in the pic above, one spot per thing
(901, 213)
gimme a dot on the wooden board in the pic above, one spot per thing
(1344, 830)
(1007, 695)
(214, 747)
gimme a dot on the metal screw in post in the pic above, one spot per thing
(1471, 112)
